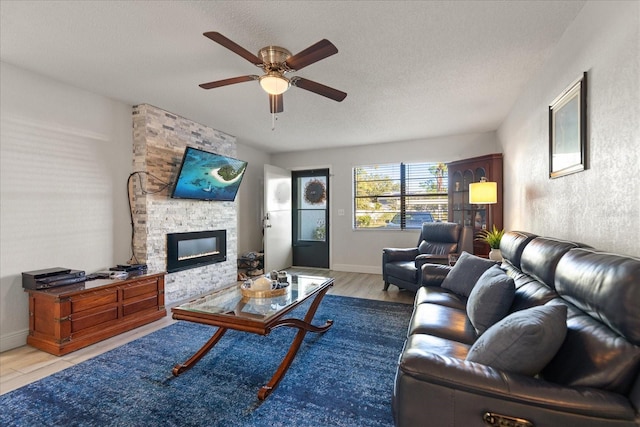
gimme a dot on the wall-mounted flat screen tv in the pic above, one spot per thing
(208, 176)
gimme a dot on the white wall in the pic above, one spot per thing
(600, 206)
(361, 250)
(65, 156)
(250, 199)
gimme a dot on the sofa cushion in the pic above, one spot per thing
(540, 258)
(604, 285)
(490, 299)
(443, 322)
(437, 295)
(602, 291)
(419, 345)
(593, 355)
(530, 293)
(464, 275)
(523, 342)
(512, 244)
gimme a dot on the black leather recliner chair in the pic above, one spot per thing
(402, 267)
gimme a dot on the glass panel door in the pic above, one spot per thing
(311, 218)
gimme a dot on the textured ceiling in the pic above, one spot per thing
(412, 69)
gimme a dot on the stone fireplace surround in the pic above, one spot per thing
(159, 141)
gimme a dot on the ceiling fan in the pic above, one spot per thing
(276, 61)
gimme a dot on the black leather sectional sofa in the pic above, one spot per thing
(452, 374)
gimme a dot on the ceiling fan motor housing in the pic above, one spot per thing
(273, 58)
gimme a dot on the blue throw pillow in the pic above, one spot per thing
(464, 275)
(523, 342)
(490, 299)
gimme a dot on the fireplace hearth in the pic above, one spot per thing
(195, 249)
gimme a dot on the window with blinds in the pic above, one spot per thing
(399, 196)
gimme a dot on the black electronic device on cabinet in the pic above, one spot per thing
(51, 277)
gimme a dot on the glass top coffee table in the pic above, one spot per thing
(229, 309)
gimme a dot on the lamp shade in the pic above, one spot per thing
(274, 84)
(483, 192)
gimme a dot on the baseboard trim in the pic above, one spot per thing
(13, 340)
(352, 268)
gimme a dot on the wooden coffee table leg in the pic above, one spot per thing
(303, 326)
(181, 367)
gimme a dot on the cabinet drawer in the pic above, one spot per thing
(139, 288)
(149, 301)
(93, 300)
(79, 323)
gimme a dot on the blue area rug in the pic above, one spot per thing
(343, 377)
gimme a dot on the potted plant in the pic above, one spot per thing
(492, 238)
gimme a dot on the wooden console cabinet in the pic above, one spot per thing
(65, 319)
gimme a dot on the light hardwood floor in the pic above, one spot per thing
(26, 364)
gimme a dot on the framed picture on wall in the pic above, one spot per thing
(568, 130)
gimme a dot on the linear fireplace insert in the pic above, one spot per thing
(195, 249)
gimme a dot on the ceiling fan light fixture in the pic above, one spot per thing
(274, 83)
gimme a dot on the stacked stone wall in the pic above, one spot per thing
(159, 141)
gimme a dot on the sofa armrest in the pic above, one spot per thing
(433, 274)
(487, 384)
(431, 259)
(399, 254)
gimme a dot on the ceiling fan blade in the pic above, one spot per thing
(275, 104)
(234, 47)
(315, 53)
(318, 88)
(230, 81)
